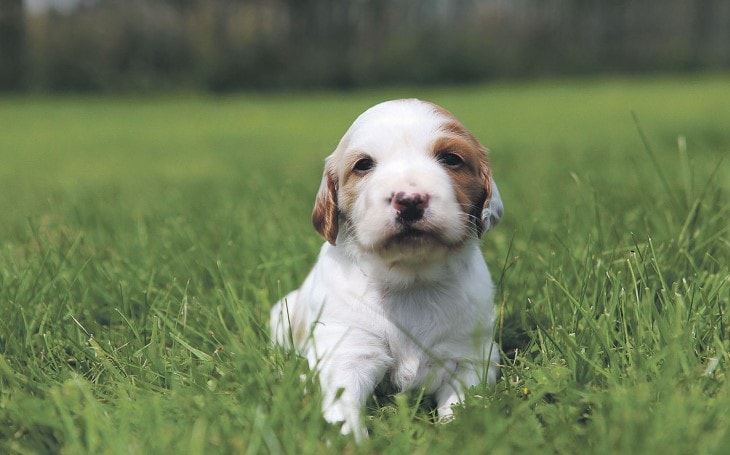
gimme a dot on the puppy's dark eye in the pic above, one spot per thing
(364, 165)
(450, 159)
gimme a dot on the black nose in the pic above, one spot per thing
(410, 207)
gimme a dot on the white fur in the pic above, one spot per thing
(418, 312)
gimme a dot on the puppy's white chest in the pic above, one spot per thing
(412, 367)
(421, 339)
(408, 372)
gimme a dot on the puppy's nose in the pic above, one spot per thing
(411, 206)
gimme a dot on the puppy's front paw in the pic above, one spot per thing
(358, 431)
(445, 414)
(338, 413)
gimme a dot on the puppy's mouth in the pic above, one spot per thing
(408, 233)
(412, 236)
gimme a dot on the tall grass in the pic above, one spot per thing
(142, 243)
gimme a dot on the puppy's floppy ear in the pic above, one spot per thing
(493, 207)
(325, 213)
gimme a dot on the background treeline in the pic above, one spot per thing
(222, 45)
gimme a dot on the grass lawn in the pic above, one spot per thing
(143, 241)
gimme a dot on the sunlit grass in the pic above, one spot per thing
(142, 242)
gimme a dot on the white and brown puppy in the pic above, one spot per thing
(400, 291)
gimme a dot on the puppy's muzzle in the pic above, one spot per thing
(409, 206)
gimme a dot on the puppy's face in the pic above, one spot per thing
(407, 179)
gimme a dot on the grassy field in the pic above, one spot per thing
(143, 241)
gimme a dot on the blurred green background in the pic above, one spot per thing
(227, 45)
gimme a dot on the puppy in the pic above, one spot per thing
(400, 290)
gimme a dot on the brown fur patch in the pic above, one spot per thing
(472, 182)
(348, 190)
(325, 213)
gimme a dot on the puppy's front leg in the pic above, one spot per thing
(466, 374)
(348, 376)
(453, 390)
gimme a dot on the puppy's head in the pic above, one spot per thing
(407, 177)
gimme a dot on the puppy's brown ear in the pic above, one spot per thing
(325, 213)
(493, 207)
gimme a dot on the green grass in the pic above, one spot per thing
(143, 241)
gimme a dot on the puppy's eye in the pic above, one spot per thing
(450, 159)
(364, 165)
